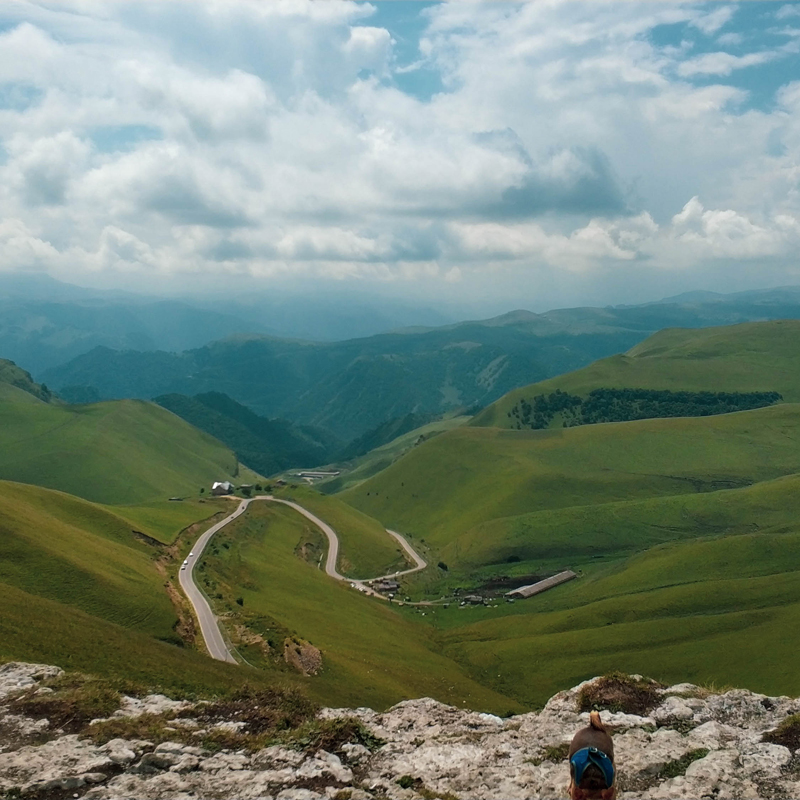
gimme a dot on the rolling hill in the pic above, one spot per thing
(752, 357)
(265, 445)
(79, 589)
(442, 489)
(683, 530)
(125, 451)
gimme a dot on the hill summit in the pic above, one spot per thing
(678, 741)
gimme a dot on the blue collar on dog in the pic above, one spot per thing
(591, 755)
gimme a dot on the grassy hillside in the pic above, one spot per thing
(371, 654)
(265, 445)
(78, 589)
(582, 534)
(703, 611)
(80, 554)
(371, 463)
(13, 375)
(444, 488)
(366, 550)
(35, 628)
(115, 452)
(752, 357)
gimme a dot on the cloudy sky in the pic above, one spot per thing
(521, 154)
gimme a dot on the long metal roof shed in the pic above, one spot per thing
(542, 586)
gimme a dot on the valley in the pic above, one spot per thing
(682, 531)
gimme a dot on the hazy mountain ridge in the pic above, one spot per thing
(353, 386)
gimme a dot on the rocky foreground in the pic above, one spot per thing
(691, 744)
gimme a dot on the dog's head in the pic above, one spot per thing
(591, 763)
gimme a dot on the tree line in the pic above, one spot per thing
(624, 405)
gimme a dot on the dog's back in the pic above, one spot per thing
(593, 782)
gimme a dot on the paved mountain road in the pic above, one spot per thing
(209, 625)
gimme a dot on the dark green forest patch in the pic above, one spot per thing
(624, 405)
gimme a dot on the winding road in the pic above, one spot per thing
(209, 625)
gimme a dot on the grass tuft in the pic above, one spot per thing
(672, 769)
(618, 692)
(786, 734)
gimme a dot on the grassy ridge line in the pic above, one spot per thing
(125, 451)
(371, 654)
(458, 480)
(752, 357)
(705, 610)
(575, 534)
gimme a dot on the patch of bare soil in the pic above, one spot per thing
(304, 657)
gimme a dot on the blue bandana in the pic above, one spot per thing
(591, 755)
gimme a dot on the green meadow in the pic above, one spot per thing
(470, 476)
(372, 654)
(363, 467)
(365, 549)
(722, 610)
(119, 452)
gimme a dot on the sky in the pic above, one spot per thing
(498, 155)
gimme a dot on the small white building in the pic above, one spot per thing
(221, 487)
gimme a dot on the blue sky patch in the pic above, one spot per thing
(119, 138)
(406, 21)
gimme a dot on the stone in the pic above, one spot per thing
(444, 749)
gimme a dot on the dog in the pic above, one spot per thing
(591, 763)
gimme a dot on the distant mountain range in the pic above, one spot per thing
(353, 386)
(44, 323)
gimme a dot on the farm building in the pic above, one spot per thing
(221, 487)
(542, 586)
(385, 586)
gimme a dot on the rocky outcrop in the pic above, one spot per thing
(692, 744)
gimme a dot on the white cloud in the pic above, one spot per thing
(270, 139)
(714, 20)
(722, 63)
(726, 233)
(787, 11)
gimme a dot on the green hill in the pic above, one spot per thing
(683, 530)
(12, 375)
(77, 553)
(80, 590)
(124, 451)
(365, 466)
(371, 653)
(705, 611)
(442, 489)
(265, 445)
(752, 357)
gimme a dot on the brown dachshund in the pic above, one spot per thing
(591, 763)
